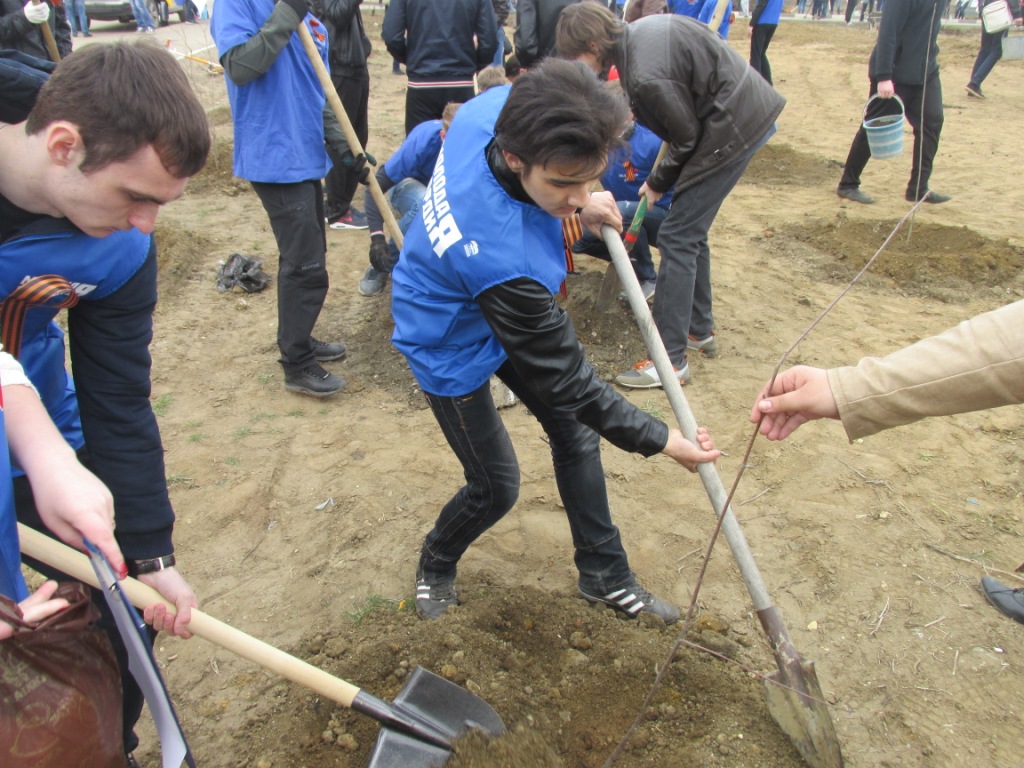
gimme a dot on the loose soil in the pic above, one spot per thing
(299, 521)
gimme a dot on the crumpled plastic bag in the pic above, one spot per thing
(242, 272)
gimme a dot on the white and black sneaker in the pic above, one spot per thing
(632, 600)
(434, 595)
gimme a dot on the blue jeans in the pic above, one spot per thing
(142, 15)
(682, 305)
(499, 55)
(76, 16)
(640, 257)
(989, 54)
(406, 198)
(474, 430)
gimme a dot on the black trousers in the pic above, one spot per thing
(296, 214)
(340, 183)
(423, 104)
(759, 42)
(923, 105)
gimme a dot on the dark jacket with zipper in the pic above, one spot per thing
(349, 45)
(688, 86)
(441, 41)
(536, 21)
(907, 47)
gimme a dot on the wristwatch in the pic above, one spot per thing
(138, 567)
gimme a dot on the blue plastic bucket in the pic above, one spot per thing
(885, 134)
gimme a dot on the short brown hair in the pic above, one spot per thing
(490, 77)
(122, 97)
(585, 26)
(449, 114)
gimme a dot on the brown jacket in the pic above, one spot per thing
(978, 364)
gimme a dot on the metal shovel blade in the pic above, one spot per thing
(799, 708)
(802, 714)
(435, 705)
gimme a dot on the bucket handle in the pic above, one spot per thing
(903, 109)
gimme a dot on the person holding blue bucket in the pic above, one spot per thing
(903, 64)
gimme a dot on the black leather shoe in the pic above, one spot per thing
(854, 193)
(929, 197)
(1006, 599)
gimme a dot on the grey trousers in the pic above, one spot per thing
(682, 304)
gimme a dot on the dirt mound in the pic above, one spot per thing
(568, 679)
(778, 164)
(924, 258)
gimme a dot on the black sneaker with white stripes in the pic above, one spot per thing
(632, 600)
(434, 594)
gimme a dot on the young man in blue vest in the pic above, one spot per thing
(473, 296)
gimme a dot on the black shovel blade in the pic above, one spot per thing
(439, 707)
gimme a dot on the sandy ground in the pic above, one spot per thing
(299, 521)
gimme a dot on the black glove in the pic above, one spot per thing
(299, 6)
(355, 163)
(380, 254)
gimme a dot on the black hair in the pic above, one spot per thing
(559, 112)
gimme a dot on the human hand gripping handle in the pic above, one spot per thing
(172, 587)
(601, 210)
(359, 165)
(350, 134)
(36, 12)
(798, 395)
(688, 454)
(380, 254)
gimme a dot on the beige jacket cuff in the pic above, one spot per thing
(978, 364)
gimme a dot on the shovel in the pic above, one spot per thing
(417, 728)
(350, 133)
(794, 695)
(48, 39)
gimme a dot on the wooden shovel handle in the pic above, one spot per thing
(51, 44)
(77, 565)
(350, 133)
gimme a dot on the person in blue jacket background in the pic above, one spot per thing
(283, 130)
(473, 296)
(403, 178)
(628, 169)
(763, 22)
(718, 20)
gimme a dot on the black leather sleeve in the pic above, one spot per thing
(541, 344)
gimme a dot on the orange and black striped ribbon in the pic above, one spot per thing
(572, 230)
(46, 290)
